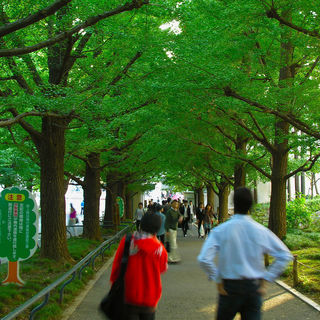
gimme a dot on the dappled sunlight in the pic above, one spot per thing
(276, 301)
(209, 309)
(270, 303)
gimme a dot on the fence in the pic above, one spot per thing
(295, 270)
(64, 280)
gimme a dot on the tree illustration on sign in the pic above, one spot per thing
(18, 230)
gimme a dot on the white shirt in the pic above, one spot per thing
(240, 244)
(185, 211)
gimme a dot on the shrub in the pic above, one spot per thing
(315, 221)
(298, 213)
(314, 204)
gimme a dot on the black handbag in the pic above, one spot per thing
(113, 305)
(168, 246)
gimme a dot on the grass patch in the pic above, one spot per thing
(308, 263)
(37, 273)
(298, 239)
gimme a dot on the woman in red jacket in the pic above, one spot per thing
(147, 260)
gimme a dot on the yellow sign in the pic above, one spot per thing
(15, 197)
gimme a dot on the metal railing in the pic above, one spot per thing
(64, 281)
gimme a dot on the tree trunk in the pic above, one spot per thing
(296, 182)
(296, 178)
(110, 200)
(223, 202)
(210, 195)
(289, 190)
(129, 204)
(315, 185)
(312, 184)
(239, 169)
(255, 192)
(52, 202)
(200, 195)
(196, 202)
(303, 183)
(277, 218)
(114, 189)
(92, 193)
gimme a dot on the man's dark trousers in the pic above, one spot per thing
(242, 297)
(185, 226)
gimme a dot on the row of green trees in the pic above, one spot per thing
(95, 91)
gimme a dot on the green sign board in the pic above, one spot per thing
(120, 203)
(18, 229)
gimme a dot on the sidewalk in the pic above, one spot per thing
(187, 294)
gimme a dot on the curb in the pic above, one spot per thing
(67, 313)
(299, 295)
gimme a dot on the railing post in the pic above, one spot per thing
(295, 271)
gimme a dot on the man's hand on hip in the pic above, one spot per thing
(221, 289)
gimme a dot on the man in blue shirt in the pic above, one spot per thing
(240, 244)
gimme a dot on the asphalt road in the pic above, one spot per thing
(187, 294)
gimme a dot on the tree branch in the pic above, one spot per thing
(235, 157)
(306, 77)
(74, 178)
(135, 4)
(40, 15)
(126, 68)
(286, 117)
(18, 117)
(241, 123)
(128, 111)
(303, 168)
(272, 14)
(7, 78)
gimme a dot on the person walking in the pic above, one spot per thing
(82, 208)
(167, 206)
(171, 224)
(200, 216)
(192, 211)
(185, 212)
(208, 217)
(147, 260)
(72, 220)
(240, 244)
(138, 215)
(161, 232)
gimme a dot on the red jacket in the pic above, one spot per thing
(147, 260)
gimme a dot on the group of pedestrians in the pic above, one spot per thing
(232, 256)
(175, 214)
(206, 219)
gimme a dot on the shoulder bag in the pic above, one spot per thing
(112, 305)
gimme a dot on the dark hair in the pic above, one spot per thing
(140, 203)
(168, 200)
(150, 223)
(158, 207)
(242, 200)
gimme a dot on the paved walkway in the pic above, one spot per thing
(188, 295)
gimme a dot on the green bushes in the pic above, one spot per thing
(298, 239)
(298, 213)
(301, 213)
